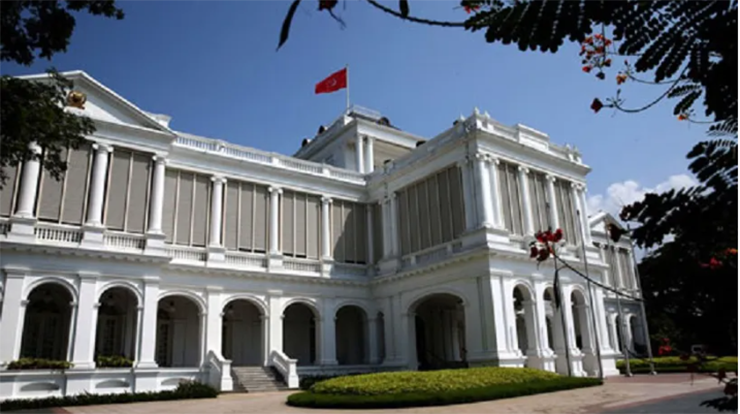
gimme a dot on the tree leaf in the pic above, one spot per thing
(285, 31)
(404, 6)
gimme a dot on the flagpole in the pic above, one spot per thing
(346, 67)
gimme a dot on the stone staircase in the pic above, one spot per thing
(256, 379)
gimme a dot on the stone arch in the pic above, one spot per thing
(197, 299)
(351, 335)
(254, 300)
(118, 305)
(310, 303)
(581, 321)
(49, 313)
(180, 317)
(421, 296)
(437, 329)
(243, 330)
(55, 280)
(301, 321)
(352, 302)
(524, 311)
(131, 287)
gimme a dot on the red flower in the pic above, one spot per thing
(589, 40)
(608, 62)
(557, 236)
(596, 105)
(598, 36)
(664, 349)
(713, 264)
(731, 251)
(543, 255)
(607, 42)
(666, 340)
(533, 252)
(541, 237)
(327, 4)
(469, 9)
(586, 68)
(683, 117)
(621, 78)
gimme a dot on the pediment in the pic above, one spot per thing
(103, 104)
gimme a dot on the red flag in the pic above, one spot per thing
(335, 82)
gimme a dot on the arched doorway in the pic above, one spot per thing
(116, 331)
(47, 323)
(620, 334)
(381, 337)
(556, 336)
(241, 337)
(299, 333)
(635, 334)
(178, 332)
(524, 311)
(440, 331)
(581, 324)
(351, 336)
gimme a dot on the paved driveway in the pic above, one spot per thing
(616, 392)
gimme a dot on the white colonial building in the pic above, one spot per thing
(369, 249)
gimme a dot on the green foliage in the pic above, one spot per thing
(38, 363)
(676, 364)
(184, 390)
(115, 361)
(314, 399)
(307, 381)
(33, 111)
(429, 381)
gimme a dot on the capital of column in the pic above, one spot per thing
(463, 162)
(393, 196)
(494, 160)
(218, 179)
(550, 177)
(523, 169)
(481, 156)
(275, 189)
(99, 147)
(576, 186)
(159, 159)
(326, 200)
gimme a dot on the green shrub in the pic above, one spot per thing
(306, 382)
(406, 382)
(184, 390)
(676, 364)
(38, 363)
(454, 396)
(115, 361)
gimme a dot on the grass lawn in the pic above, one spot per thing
(676, 364)
(416, 389)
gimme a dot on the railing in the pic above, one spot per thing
(246, 259)
(286, 367)
(350, 269)
(57, 233)
(197, 254)
(124, 241)
(301, 265)
(4, 227)
(432, 254)
(262, 157)
(219, 372)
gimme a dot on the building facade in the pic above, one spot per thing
(369, 249)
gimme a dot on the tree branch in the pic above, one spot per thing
(414, 19)
(615, 102)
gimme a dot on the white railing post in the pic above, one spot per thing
(286, 367)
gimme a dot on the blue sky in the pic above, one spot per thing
(213, 67)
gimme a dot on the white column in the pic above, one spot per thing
(97, 185)
(372, 337)
(468, 195)
(553, 208)
(137, 334)
(276, 323)
(325, 228)
(498, 212)
(395, 240)
(148, 328)
(14, 310)
(541, 318)
(370, 236)
(567, 307)
(155, 212)
(369, 155)
(86, 323)
(214, 326)
(216, 210)
(483, 176)
(202, 326)
(29, 185)
(619, 282)
(583, 227)
(530, 321)
(359, 153)
(328, 334)
(274, 217)
(584, 216)
(527, 207)
(385, 209)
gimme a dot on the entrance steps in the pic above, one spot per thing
(256, 379)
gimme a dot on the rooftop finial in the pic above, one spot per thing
(476, 111)
(462, 118)
(486, 114)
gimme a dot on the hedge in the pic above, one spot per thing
(184, 390)
(676, 364)
(410, 382)
(113, 362)
(311, 399)
(38, 363)
(307, 381)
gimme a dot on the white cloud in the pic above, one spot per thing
(627, 192)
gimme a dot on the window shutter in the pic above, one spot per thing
(201, 208)
(361, 233)
(445, 206)
(138, 193)
(337, 230)
(300, 224)
(119, 174)
(261, 218)
(248, 219)
(75, 193)
(288, 223)
(185, 208)
(313, 226)
(169, 204)
(50, 195)
(9, 192)
(425, 233)
(231, 215)
(435, 220)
